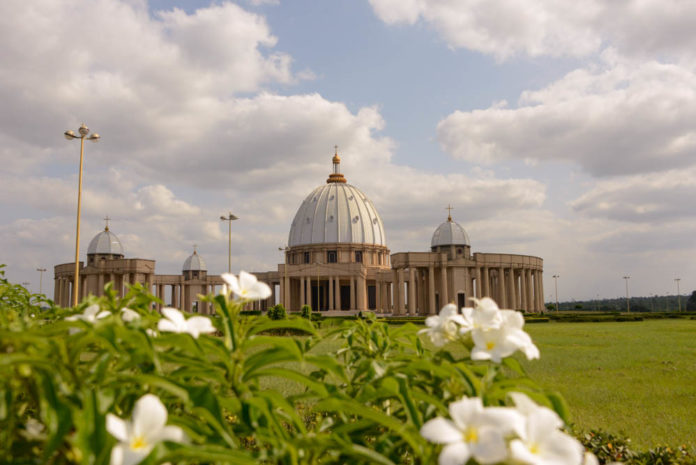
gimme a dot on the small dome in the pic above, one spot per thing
(194, 263)
(449, 233)
(105, 243)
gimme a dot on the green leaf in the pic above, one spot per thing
(349, 407)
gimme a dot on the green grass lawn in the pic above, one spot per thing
(635, 378)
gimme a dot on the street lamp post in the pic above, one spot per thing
(555, 280)
(41, 272)
(229, 218)
(628, 300)
(678, 295)
(70, 135)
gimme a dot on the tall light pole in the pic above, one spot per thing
(678, 295)
(285, 274)
(41, 272)
(229, 218)
(70, 135)
(628, 300)
(555, 280)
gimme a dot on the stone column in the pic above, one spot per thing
(431, 290)
(444, 287)
(352, 293)
(100, 284)
(530, 291)
(337, 294)
(411, 291)
(361, 293)
(332, 303)
(511, 289)
(395, 292)
(479, 287)
(287, 295)
(502, 297)
(523, 289)
(540, 274)
(303, 299)
(378, 294)
(486, 282)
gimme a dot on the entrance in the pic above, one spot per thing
(345, 297)
(372, 297)
(461, 300)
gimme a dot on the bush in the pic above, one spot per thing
(73, 382)
(277, 312)
(306, 312)
(610, 448)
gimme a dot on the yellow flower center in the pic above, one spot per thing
(534, 448)
(470, 435)
(490, 345)
(138, 443)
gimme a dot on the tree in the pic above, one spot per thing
(691, 303)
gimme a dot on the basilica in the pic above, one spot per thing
(337, 261)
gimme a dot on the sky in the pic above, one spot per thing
(560, 129)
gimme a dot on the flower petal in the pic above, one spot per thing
(231, 281)
(116, 455)
(199, 324)
(91, 311)
(454, 454)
(170, 433)
(129, 315)
(441, 431)
(168, 326)
(149, 416)
(490, 447)
(116, 427)
(465, 410)
(175, 315)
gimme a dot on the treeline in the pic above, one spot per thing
(658, 303)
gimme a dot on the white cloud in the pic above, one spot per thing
(549, 27)
(621, 117)
(647, 198)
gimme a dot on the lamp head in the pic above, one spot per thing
(84, 130)
(94, 137)
(70, 135)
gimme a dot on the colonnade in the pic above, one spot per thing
(423, 290)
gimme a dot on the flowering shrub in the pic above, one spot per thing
(113, 381)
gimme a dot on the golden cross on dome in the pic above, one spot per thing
(335, 149)
(449, 212)
(195, 248)
(107, 219)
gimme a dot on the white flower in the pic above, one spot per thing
(33, 430)
(138, 437)
(484, 316)
(541, 442)
(247, 287)
(129, 315)
(590, 459)
(176, 322)
(474, 431)
(444, 327)
(496, 344)
(90, 315)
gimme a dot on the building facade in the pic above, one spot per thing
(336, 261)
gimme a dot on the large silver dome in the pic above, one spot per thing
(194, 263)
(449, 233)
(336, 213)
(106, 243)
